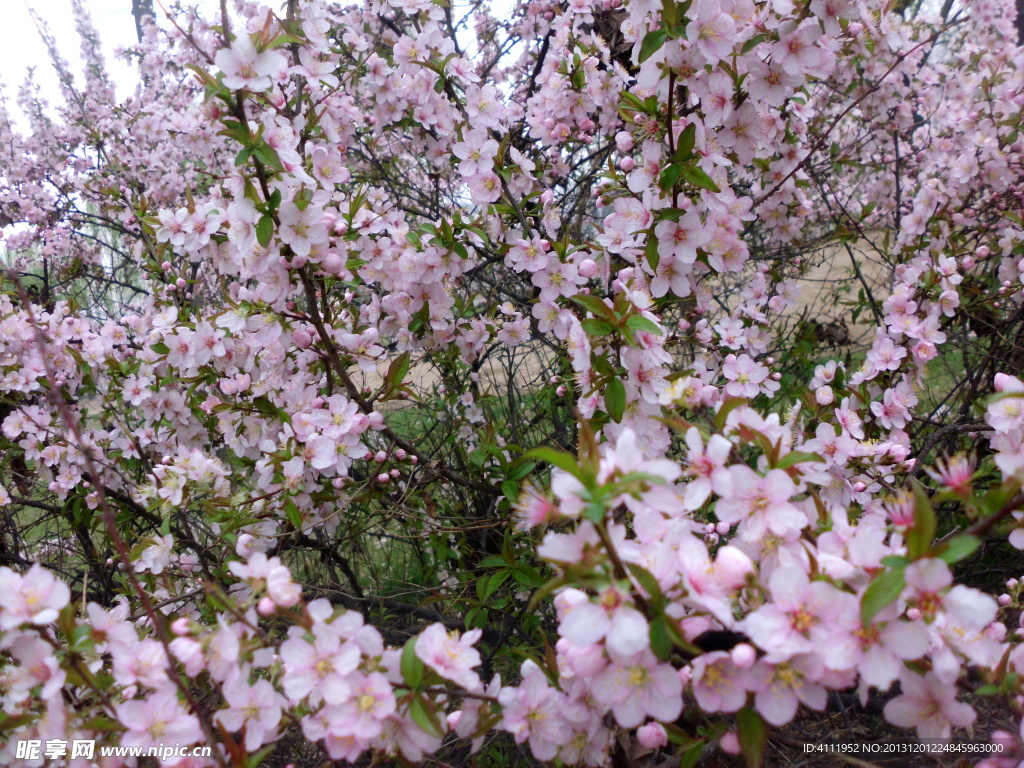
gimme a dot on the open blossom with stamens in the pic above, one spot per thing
(640, 686)
(612, 619)
(718, 684)
(244, 67)
(451, 655)
(159, 719)
(256, 707)
(928, 705)
(760, 504)
(35, 597)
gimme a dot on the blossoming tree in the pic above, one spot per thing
(384, 381)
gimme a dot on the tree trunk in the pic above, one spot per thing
(143, 8)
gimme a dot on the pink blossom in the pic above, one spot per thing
(35, 597)
(243, 67)
(159, 719)
(450, 654)
(638, 687)
(928, 705)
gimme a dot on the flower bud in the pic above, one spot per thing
(651, 736)
(383, 477)
(730, 742)
(627, 164)
(332, 264)
(624, 141)
(743, 655)
(180, 627)
(587, 268)
(266, 607)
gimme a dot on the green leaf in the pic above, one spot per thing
(489, 584)
(691, 756)
(686, 141)
(646, 580)
(669, 176)
(268, 156)
(264, 230)
(884, 589)
(730, 404)
(797, 457)
(753, 736)
(957, 548)
(652, 42)
(615, 399)
(520, 469)
(160, 348)
(661, 642)
(922, 533)
(698, 178)
(751, 44)
(397, 370)
(595, 306)
(670, 13)
(511, 490)
(411, 666)
(424, 715)
(561, 459)
(292, 513)
(597, 327)
(264, 406)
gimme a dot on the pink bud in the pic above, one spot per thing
(967, 262)
(180, 282)
(1005, 599)
(730, 742)
(560, 391)
(743, 656)
(180, 627)
(587, 268)
(165, 266)
(302, 338)
(400, 454)
(624, 141)
(338, 483)
(824, 395)
(395, 473)
(1005, 740)
(380, 457)
(722, 528)
(453, 719)
(414, 460)
(266, 607)
(859, 487)
(913, 614)
(332, 264)
(383, 477)
(1011, 583)
(651, 736)
(627, 164)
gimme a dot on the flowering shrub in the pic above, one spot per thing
(368, 388)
